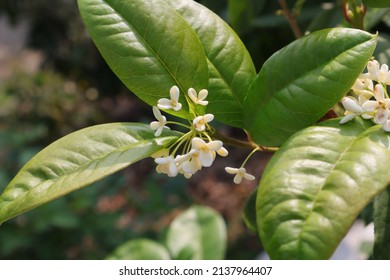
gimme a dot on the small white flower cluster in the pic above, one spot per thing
(196, 148)
(372, 100)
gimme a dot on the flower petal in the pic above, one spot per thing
(177, 107)
(192, 95)
(206, 158)
(203, 94)
(347, 118)
(172, 169)
(249, 177)
(370, 106)
(231, 170)
(351, 105)
(174, 92)
(164, 104)
(159, 131)
(222, 152)
(185, 157)
(214, 145)
(197, 143)
(373, 69)
(381, 116)
(154, 125)
(386, 126)
(208, 117)
(379, 92)
(237, 179)
(156, 113)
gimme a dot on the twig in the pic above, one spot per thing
(241, 143)
(291, 19)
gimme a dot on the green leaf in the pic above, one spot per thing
(242, 12)
(197, 234)
(78, 160)
(382, 51)
(374, 16)
(249, 214)
(382, 226)
(231, 68)
(377, 3)
(315, 186)
(140, 249)
(149, 46)
(301, 82)
(326, 18)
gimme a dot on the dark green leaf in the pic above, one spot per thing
(382, 51)
(149, 46)
(377, 3)
(197, 234)
(326, 18)
(316, 185)
(374, 16)
(140, 249)
(78, 160)
(249, 214)
(301, 82)
(242, 12)
(231, 69)
(382, 226)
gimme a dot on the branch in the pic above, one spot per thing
(291, 19)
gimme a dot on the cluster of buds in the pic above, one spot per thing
(372, 100)
(194, 149)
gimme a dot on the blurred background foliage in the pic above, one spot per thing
(53, 81)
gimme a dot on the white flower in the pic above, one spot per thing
(240, 173)
(352, 107)
(160, 123)
(167, 165)
(198, 98)
(182, 158)
(192, 166)
(206, 150)
(363, 87)
(172, 103)
(377, 72)
(378, 108)
(200, 122)
(188, 164)
(363, 84)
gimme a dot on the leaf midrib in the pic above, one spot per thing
(82, 167)
(344, 152)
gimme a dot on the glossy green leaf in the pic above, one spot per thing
(140, 249)
(301, 82)
(315, 186)
(377, 3)
(231, 69)
(148, 45)
(78, 160)
(197, 234)
(382, 226)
